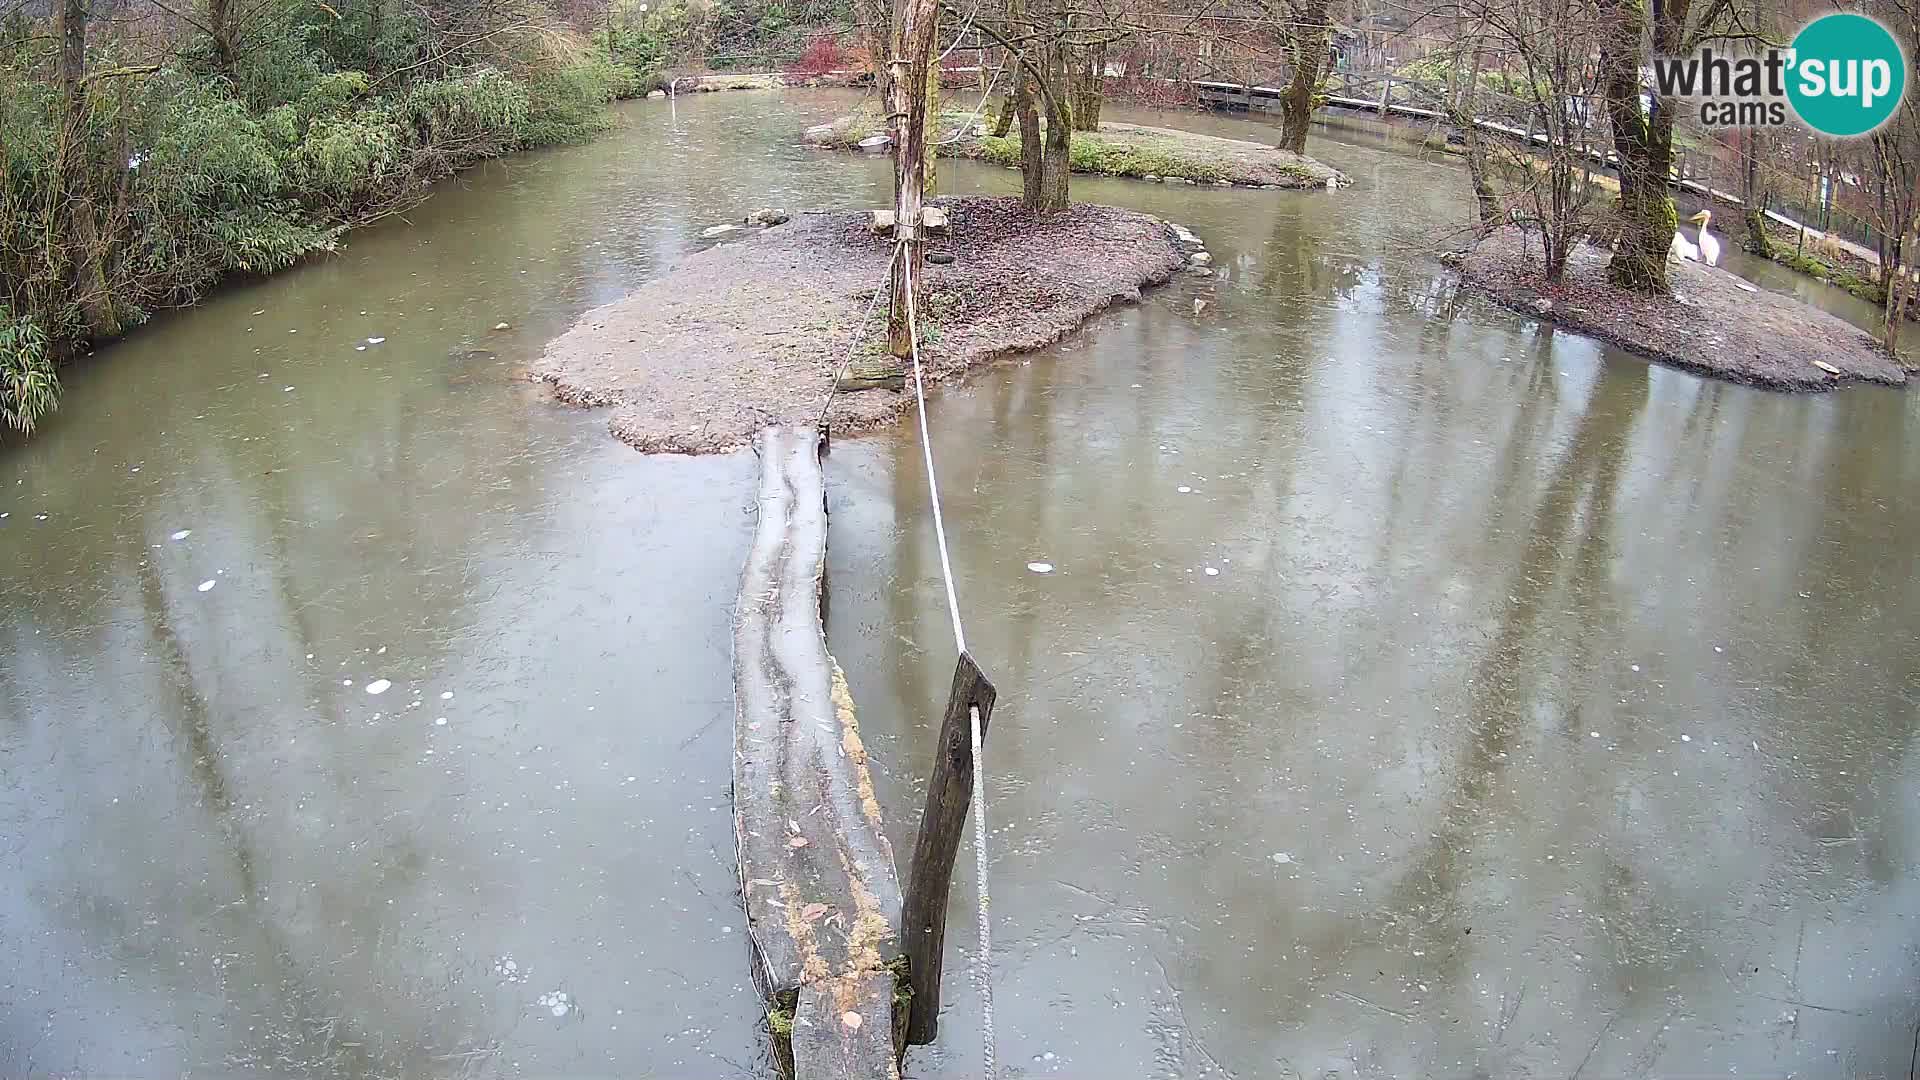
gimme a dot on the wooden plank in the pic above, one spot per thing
(934, 849)
(816, 871)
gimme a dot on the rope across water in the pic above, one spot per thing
(978, 808)
(978, 798)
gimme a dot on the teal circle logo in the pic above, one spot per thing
(1847, 75)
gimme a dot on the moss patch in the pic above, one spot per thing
(1812, 266)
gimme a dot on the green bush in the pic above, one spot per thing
(28, 389)
(480, 104)
(568, 105)
(194, 172)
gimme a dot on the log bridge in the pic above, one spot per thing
(817, 873)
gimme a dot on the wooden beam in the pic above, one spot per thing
(923, 918)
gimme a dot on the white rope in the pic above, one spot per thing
(853, 342)
(980, 974)
(968, 126)
(982, 983)
(926, 447)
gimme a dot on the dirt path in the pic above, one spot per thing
(1712, 325)
(749, 332)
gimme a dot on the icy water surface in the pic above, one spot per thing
(1408, 691)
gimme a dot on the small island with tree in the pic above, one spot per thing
(1577, 224)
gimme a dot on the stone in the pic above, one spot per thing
(1200, 258)
(819, 133)
(1150, 178)
(1543, 305)
(717, 230)
(934, 219)
(769, 217)
(656, 93)
(875, 143)
(1826, 367)
(502, 326)
(1203, 271)
(940, 258)
(881, 222)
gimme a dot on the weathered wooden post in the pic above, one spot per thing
(911, 66)
(923, 918)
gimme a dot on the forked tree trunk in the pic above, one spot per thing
(1056, 160)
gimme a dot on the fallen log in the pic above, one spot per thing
(816, 871)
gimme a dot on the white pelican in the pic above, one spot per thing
(1709, 247)
(1707, 251)
(1682, 248)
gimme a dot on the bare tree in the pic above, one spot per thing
(1533, 66)
(1896, 171)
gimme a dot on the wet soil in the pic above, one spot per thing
(1711, 325)
(750, 332)
(1136, 151)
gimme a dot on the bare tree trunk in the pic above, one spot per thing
(1004, 110)
(1089, 89)
(79, 250)
(1057, 163)
(1032, 164)
(1754, 195)
(1465, 105)
(220, 31)
(912, 56)
(876, 33)
(1311, 35)
(1644, 146)
(70, 19)
(377, 32)
(1893, 261)
(930, 166)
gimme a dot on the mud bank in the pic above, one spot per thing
(750, 332)
(1711, 325)
(1135, 151)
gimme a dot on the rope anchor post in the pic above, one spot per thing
(923, 920)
